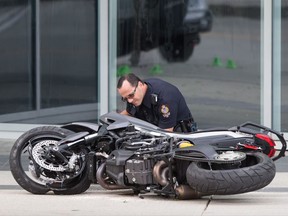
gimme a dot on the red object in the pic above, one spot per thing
(268, 140)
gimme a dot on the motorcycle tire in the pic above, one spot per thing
(18, 165)
(256, 172)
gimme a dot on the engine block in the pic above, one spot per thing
(139, 171)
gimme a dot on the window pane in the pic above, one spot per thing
(15, 57)
(209, 49)
(68, 52)
(284, 66)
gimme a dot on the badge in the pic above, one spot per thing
(165, 111)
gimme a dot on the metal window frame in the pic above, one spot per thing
(266, 62)
(103, 23)
(276, 68)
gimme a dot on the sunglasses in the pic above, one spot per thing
(130, 96)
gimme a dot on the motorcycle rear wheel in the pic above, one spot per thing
(20, 160)
(256, 172)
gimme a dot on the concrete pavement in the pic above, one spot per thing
(96, 201)
(269, 201)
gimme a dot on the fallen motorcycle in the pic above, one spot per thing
(123, 152)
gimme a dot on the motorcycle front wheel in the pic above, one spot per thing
(254, 173)
(36, 171)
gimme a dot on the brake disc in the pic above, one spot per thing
(39, 153)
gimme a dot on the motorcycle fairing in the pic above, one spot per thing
(117, 121)
(82, 126)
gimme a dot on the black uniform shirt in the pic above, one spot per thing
(170, 108)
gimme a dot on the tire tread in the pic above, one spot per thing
(234, 181)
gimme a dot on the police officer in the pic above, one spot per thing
(157, 102)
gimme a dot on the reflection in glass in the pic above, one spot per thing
(68, 53)
(209, 49)
(284, 66)
(15, 58)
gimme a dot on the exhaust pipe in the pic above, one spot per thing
(102, 181)
(160, 173)
(183, 192)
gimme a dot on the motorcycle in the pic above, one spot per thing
(123, 152)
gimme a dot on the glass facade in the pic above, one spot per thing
(15, 57)
(48, 60)
(68, 53)
(212, 50)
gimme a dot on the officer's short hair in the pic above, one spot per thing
(131, 78)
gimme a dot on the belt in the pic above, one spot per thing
(187, 125)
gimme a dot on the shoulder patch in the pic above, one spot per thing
(165, 111)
